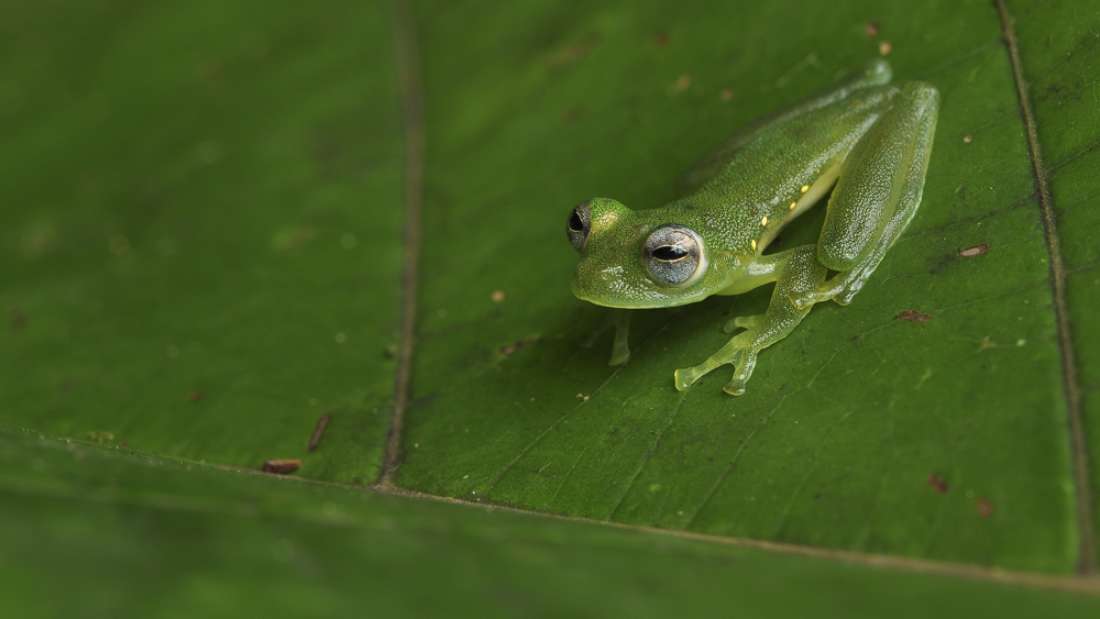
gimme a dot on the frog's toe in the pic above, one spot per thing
(685, 378)
(741, 373)
(845, 296)
(620, 352)
(619, 356)
(806, 300)
(743, 322)
(734, 388)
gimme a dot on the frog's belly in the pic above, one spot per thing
(793, 208)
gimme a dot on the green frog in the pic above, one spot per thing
(868, 141)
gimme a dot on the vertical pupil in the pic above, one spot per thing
(575, 223)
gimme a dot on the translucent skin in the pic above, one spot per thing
(870, 139)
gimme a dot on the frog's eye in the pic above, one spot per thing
(674, 255)
(577, 226)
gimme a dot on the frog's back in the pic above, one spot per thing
(784, 156)
(766, 169)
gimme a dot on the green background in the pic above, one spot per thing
(201, 253)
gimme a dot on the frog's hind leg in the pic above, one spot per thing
(798, 272)
(877, 194)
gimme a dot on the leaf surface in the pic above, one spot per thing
(202, 253)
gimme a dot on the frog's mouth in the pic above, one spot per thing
(648, 299)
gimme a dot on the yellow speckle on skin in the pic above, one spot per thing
(793, 205)
(805, 188)
(754, 244)
(764, 221)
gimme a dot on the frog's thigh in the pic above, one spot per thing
(800, 274)
(879, 190)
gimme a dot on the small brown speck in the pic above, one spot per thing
(318, 432)
(913, 315)
(885, 48)
(282, 466)
(196, 396)
(571, 54)
(968, 139)
(572, 114)
(938, 483)
(17, 320)
(508, 349)
(682, 83)
(986, 343)
(661, 39)
(871, 29)
(727, 94)
(980, 249)
(497, 296)
(985, 507)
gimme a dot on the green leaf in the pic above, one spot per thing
(202, 257)
(849, 424)
(190, 256)
(147, 537)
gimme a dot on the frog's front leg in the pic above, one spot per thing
(620, 348)
(877, 194)
(797, 272)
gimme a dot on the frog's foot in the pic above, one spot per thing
(800, 274)
(841, 289)
(739, 351)
(829, 291)
(620, 353)
(743, 322)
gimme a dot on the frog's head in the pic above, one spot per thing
(633, 259)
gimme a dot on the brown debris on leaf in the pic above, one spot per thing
(938, 483)
(283, 466)
(18, 320)
(871, 28)
(985, 507)
(318, 432)
(508, 349)
(980, 249)
(913, 315)
(573, 53)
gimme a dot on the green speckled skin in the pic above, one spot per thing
(869, 138)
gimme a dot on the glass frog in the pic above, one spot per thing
(868, 141)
